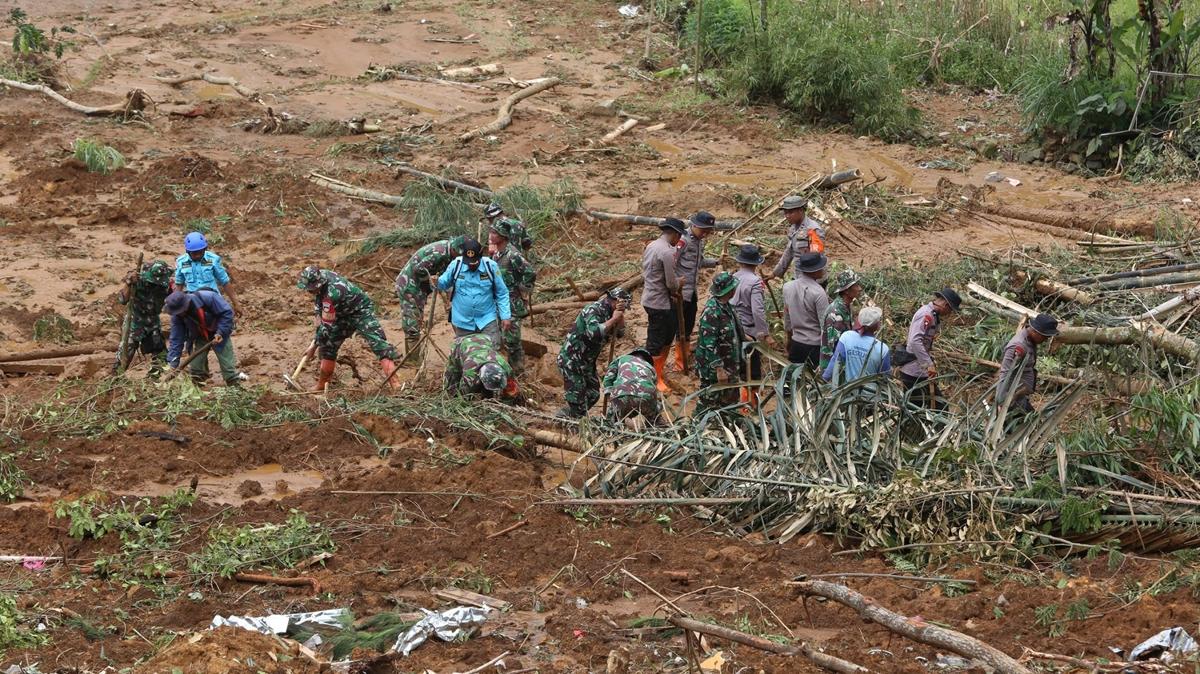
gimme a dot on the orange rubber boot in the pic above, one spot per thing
(324, 374)
(660, 365)
(389, 366)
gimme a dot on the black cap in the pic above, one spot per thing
(1044, 324)
(704, 220)
(471, 251)
(950, 296)
(749, 254)
(674, 224)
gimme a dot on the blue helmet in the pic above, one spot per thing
(194, 242)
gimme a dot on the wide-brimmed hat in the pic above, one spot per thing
(812, 262)
(674, 224)
(749, 254)
(723, 284)
(845, 279)
(1044, 324)
(950, 296)
(177, 303)
(703, 220)
(792, 203)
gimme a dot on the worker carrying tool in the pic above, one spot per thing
(342, 309)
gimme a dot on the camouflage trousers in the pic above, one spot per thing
(623, 407)
(708, 401)
(581, 388)
(511, 340)
(412, 294)
(148, 338)
(330, 337)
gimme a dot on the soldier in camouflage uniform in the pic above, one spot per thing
(719, 346)
(519, 276)
(520, 233)
(839, 316)
(414, 285)
(630, 384)
(598, 322)
(150, 288)
(342, 309)
(476, 368)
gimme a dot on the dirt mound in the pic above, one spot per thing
(189, 166)
(227, 649)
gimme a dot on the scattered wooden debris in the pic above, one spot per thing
(915, 628)
(825, 660)
(383, 74)
(212, 78)
(504, 117)
(136, 101)
(473, 71)
(460, 596)
(619, 131)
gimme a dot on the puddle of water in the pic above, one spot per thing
(684, 178)
(210, 92)
(663, 146)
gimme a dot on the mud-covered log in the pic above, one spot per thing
(45, 354)
(504, 117)
(1064, 219)
(646, 220)
(916, 629)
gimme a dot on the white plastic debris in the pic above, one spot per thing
(453, 624)
(1167, 645)
(629, 11)
(1012, 181)
(331, 620)
(994, 177)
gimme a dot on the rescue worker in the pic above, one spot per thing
(839, 315)
(196, 319)
(804, 304)
(805, 235)
(924, 328)
(749, 301)
(199, 268)
(479, 300)
(342, 309)
(519, 275)
(858, 352)
(477, 369)
(1018, 368)
(719, 346)
(630, 385)
(599, 322)
(661, 295)
(150, 287)
(520, 233)
(689, 260)
(414, 284)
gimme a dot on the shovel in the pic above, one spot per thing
(290, 380)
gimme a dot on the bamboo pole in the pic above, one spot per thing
(1064, 219)
(839, 178)
(1171, 306)
(1148, 281)
(504, 116)
(1136, 273)
(445, 183)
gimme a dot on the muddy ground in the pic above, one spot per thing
(70, 236)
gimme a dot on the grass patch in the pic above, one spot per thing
(53, 328)
(12, 478)
(262, 546)
(99, 158)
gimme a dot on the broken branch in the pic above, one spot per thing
(135, 101)
(620, 130)
(356, 192)
(299, 581)
(242, 90)
(473, 71)
(822, 659)
(915, 628)
(504, 117)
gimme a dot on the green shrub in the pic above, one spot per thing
(727, 24)
(270, 546)
(12, 478)
(98, 157)
(13, 632)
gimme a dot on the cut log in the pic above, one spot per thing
(504, 117)
(473, 71)
(839, 178)
(213, 78)
(822, 659)
(1068, 220)
(136, 101)
(632, 283)
(356, 192)
(454, 594)
(620, 130)
(45, 354)
(1052, 288)
(915, 628)
(32, 368)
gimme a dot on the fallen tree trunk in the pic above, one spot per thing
(822, 659)
(211, 78)
(504, 117)
(445, 183)
(1060, 232)
(632, 283)
(1136, 273)
(1064, 219)
(915, 628)
(840, 178)
(1148, 281)
(136, 101)
(620, 130)
(473, 71)
(45, 354)
(1052, 288)
(32, 368)
(356, 192)
(646, 220)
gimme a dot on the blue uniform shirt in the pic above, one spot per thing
(858, 355)
(207, 273)
(478, 295)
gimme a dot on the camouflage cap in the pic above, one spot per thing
(493, 210)
(505, 226)
(492, 377)
(156, 273)
(310, 277)
(723, 284)
(845, 279)
(620, 294)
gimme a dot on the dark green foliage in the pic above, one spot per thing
(377, 633)
(269, 546)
